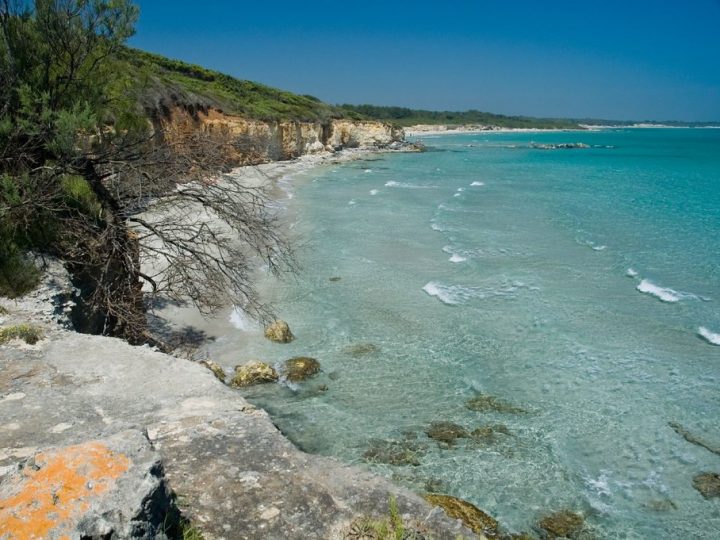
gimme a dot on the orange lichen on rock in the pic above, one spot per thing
(53, 491)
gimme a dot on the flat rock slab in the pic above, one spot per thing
(130, 420)
(98, 488)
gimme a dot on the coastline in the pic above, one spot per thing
(421, 130)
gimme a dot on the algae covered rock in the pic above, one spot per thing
(489, 434)
(468, 513)
(562, 524)
(300, 368)
(404, 452)
(253, 373)
(487, 403)
(216, 369)
(446, 432)
(708, 484)
(279, 332)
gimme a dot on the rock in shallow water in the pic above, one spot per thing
(468, 513)
(487, 403)
(708, 484)
(403, 452)
(300, 368)
(279, 332)
(562, 524)
(361, 349)
(446, 432)
(253, 373)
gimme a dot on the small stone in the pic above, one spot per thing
(474, 518)
(279, 332)
(708, 484)
(562, 524)
(300, 368)
(270, 513)
(216, 369)
(59, 428)
(253, 373)
(335, 278)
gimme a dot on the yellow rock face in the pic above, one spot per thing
(55, 490)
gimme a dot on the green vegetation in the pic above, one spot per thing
(29, 334)
(409, 117)
(390, 527)
(156, 77)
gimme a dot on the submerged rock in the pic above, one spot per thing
(361, 349)
(253, 373)
(487, 403)
(279, 332)
(335, 278)
(446, 432)
(488, 434)
(404, 452)
(708, 484)
(562, 524)
(216, 369)
(468, 513)
(300, 368)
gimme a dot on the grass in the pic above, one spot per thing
(28, 333)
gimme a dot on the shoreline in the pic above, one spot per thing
(421, 130)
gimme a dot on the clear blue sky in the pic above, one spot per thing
(635, 59)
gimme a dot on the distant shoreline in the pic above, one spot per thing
(430, 129)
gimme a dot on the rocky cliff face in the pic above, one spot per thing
(257, 141)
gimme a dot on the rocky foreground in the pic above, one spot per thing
(99, 439)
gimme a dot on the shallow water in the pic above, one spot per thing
(581, 285)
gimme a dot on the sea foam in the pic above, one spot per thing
(710, 337)
(374, 192)
(476, 183)
(663, 293)
(631, 273)
(406, 185)
(455, 258)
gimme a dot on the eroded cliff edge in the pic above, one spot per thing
(259, 141)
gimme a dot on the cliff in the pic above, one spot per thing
(257, 141)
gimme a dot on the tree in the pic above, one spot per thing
(86, 177)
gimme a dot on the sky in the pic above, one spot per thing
(620, 60)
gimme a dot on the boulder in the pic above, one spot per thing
(216, 369)
(468, 513)
(708, 484)
(253, 373)
(562, 524)
(279, 332)
(300, 368)
(488, 434)
(446, 432)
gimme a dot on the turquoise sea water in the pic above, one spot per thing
(571, 283)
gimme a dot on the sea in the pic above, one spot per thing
(556, 293)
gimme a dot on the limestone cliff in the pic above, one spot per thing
(257, 141)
